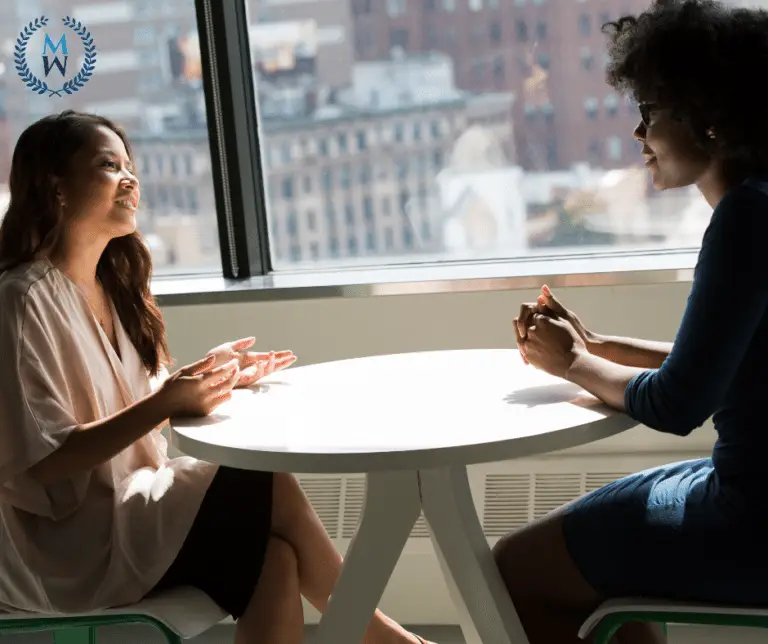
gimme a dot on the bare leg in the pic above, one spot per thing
(549, 593)
(274, 614)
(294, 519)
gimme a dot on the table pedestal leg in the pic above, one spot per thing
(486, 612)
(391, 509)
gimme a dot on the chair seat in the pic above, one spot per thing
(186, 611)
(674, 609)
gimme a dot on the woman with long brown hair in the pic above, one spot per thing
(93, 513)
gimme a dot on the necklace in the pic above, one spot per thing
(99, 317)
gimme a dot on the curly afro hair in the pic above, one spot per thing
(705, 61)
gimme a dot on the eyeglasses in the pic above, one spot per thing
(646, 109)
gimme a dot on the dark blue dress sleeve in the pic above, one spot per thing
(727, 302)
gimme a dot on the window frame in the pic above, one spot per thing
(232, 123)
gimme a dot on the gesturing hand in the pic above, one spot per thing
(198, 388)
(253, 366)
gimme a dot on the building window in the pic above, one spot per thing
(344, 177)
(292, 224)
(495, 32)
(396, 8)
(398, 38)
(587, 60)
(541, 30)
(449, 5)
(288, 188)
(475, 5)
(585, 25)
(613, 148)
(552, 160)
(521, 29)
(590, 107)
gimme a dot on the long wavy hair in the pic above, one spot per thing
(33, 224)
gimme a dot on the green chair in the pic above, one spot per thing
(609, 617)
(179, 614)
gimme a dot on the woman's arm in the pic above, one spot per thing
(92, 444)
(728, 301)
(631, 352)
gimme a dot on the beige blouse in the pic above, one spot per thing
(101, 538)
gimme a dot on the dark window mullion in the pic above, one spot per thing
(233, 136)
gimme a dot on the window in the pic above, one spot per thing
(590, 106)
(585, 25)
(611, 103)
(495, 32)
(334, 164)
(613, 148)
(396, 8)
(398, 38)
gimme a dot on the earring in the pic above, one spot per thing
(711, 133)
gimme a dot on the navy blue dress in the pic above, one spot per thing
(697, 530)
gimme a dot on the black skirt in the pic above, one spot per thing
(224, 551)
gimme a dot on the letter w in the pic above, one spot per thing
(48, 44)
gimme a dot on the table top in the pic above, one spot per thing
(396, 412)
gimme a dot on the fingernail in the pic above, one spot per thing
(546, 290)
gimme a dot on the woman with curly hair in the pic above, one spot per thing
(694, 530)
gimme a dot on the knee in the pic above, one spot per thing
(281, 554)
(286, 490)
(288, 501)
(506, 554)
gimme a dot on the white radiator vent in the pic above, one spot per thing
(353, 504)
(550, 491)
(596, 480)
(509, 500)
(507, 503)
(513, 500)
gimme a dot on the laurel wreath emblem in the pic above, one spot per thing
(38, 85)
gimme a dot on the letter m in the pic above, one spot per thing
(48, 44)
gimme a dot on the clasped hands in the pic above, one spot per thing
(252, 366)
(549, 336)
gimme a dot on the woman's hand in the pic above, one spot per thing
(552, 344)
(253, 366)
(548, 305)
(197, 389)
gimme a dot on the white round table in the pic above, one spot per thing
(413, 423)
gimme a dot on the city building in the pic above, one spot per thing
(550, 54)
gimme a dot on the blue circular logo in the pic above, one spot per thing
(54, 57)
